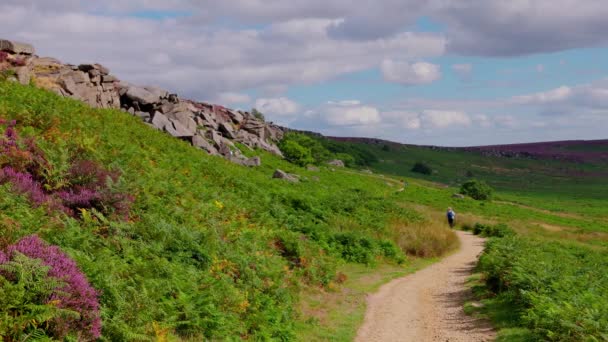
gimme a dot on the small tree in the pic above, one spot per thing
(423, 168)
(476, 189)
(296, 153)
(258, 115)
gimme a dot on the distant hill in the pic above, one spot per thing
(576, 169)
(571, 150)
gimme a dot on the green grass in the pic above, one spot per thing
(211, 249)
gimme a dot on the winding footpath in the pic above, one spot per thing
(428, 305)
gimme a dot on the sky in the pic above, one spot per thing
(439, 72)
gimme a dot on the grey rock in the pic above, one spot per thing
(459, 196)
(185, 119)
(252, 162)
(102, 69)
(280, 174)
(313, 168)
(145, 116)
(108, 87)
(109, 79)
(16, 47)
(235, 116)
(23, 75)
(178, 130)
(78, 77)
(159, 121)
(88, 67)
(202, 143)
(141, 95)
(225, 150)
(156, 91)
(215, 137)
(227, 130)
(336, 163)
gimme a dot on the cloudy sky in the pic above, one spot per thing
(443, 72)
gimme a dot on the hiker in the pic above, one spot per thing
(451, 217)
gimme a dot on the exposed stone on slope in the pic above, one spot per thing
(210, 127)
(280, 174)
(16, 47)
(336, 163)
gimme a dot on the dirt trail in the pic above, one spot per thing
(428, 305)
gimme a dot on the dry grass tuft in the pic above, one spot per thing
(425, 239)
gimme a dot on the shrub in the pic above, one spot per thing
(3, 56)
(348, 160)
(85, 185)
(318, 153)
(424, 239)
(73, 294)
(476, 189)
(296, 153)
(498, 230)
(25, 289)
(422, 168)
(555, 288)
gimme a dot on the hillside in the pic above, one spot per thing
(118, 227)
(180, 242)
(554, 175)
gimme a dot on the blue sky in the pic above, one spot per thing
(443, 72)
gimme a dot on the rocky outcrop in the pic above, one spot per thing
(16, 47)
(212, 128)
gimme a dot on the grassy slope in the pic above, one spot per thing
(553, 185)
(199, 255)
(210, 249)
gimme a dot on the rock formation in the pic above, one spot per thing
(212, 128)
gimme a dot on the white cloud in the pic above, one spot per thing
(445, 118)
(482, 120)
(402, 119)
(230, 98)
(349, 113)
(559, 94)
(410, 74)
(281, 106)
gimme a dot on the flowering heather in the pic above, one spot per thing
(3, 56)
(88, 183)
(23, 183)
(77, 294)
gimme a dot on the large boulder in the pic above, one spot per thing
(178, 130)
(141, 95)
(202, 143)
(336, 163)
(159, 121)
(157, 92)
(227, 130)
(254, 161)
(16, 47)
(186, 119)
(280, 174)
(235, 116)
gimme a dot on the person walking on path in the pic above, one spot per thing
(451, 215)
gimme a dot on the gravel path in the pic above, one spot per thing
(428, 305)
